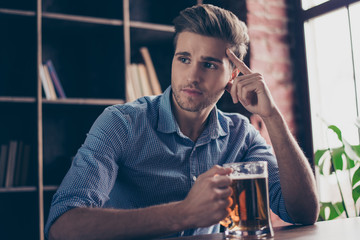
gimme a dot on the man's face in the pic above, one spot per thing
(200, 71)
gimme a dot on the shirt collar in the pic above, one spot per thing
(218, 124)
(167, 122)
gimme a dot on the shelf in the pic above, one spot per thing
(75, 18)
(152, 26)
(17, 189)
(83, 101)
(17, 12)
(17, 100)
(50, 188)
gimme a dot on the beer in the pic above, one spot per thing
(249, 214)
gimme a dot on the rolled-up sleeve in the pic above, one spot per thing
(94, 169)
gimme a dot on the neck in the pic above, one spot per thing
(191, 124)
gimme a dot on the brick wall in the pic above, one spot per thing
(270, 45)
(267, 21)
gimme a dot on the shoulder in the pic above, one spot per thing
(127, 117)
(234, 121)
(147, 107)
(240, 128)
(124, 121)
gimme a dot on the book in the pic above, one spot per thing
(155, 84)
(25, 165)
(18, 163)
(130, 93)
(44, 82)
(144, 80)
(58, 86)
(49, 83)
(10, 169)
(136, 81)
(3, 163)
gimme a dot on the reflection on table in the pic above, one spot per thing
(342, 229)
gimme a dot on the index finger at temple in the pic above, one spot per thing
(238, 63)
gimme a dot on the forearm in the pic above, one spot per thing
(296, 177)
(210, 191)
(97, 223)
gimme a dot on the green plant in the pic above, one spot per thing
(331, 161)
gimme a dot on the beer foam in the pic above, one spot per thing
(242, 177)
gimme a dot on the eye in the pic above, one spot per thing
(184, 60)
(209, 65)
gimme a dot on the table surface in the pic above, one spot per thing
(342, 229)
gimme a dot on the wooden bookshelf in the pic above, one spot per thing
(90, 45)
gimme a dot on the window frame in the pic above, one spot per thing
(300, 63)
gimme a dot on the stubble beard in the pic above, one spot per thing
(191, 105)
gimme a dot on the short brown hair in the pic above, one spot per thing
(213, 21)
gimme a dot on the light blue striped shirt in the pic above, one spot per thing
(136, 156)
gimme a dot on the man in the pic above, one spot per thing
(152, 168)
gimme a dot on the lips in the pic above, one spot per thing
(192, 91)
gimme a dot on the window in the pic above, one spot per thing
(333, 95)
(332, 45)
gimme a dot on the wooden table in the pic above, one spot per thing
(340, 229)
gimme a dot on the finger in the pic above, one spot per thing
(238, 63)
(233, 90)
(246, 90)
(223, 193)
(217, 170)
(243, 87)
(221, 181)
(236, 87)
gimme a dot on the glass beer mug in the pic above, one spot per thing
(250, 215)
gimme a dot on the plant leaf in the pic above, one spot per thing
(334, 210)
(356, 149)
(318, 155)
(353, 152)
(356, 194)
(321, 167)
(337, 131)
(356, 177)
(350, 163)
(340, 207)
(350, 152)
(337, 159)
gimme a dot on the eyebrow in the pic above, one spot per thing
(205, 58)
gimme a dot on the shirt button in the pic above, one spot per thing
(194, 178)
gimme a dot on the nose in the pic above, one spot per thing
(194, 73)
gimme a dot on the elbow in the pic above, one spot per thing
(58, 230)
(307, 215)
(54, 234)
(315, 214)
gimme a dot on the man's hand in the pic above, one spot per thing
(209, 200)
(250, 89)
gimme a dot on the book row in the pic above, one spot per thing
(14, 163)
(50, 81)
(141, 78)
